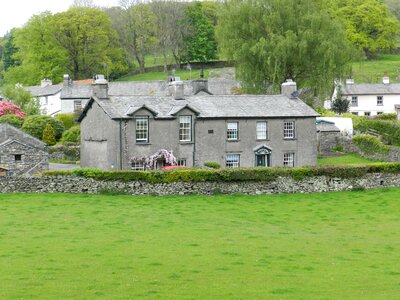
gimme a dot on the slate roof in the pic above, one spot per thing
(9, 133)
(326, 126)
(207, 106)
(49, 90)
(371, 89)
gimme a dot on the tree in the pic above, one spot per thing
(49, 135)
(9, 50)
(340, 104)
(201, 43)
(72, 135)
(89, 42)
(35, 125)
(38, 54)
(368, 23)
(22, 98)
(13, 120)
(273, 40)
(67, 119)
(135, 24)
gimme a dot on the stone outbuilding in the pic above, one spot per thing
(21, 153)
(327, 136)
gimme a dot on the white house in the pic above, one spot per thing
(371, 99)
(48, 96)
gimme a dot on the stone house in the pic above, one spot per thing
(21, 153)
(232, 130)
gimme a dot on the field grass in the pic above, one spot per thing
(347, 159)
(319, 246)
(183, 74)
(372, 71)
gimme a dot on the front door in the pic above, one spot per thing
(260, 160)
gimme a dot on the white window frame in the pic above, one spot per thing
(232, 160)
(137, 166)
(288, 159)
(379, 100)
(262, 130)
(289, 130)
(181, 162)
(77, 105)
(185, 128)
(142, 129)
(232, 131)
(354, 101)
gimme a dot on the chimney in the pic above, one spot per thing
(46, 82)
(200, 85)
(176, 90)
(67, 80)
(289, 88)
(100, 87)
(349, 81)
(386, 79)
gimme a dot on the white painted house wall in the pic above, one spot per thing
(369, 104)
(50, 105)
(71, 105)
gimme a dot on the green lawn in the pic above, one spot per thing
(183, 74)
(347, 159)
(372, 71)
(319, 246)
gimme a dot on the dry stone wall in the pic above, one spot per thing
(71, 184)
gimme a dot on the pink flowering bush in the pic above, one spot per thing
(9, 108)
(150, 162)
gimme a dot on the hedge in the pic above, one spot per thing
(229, 175)
(370, 144)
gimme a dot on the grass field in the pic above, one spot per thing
(347, 159)
(183, 74)
(372, 71)
(319, 246)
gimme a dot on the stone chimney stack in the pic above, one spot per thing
(67, 80)
(100, 87)
(176, 90)
(46, 82)
(288, 88)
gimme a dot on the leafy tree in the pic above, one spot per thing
(9, 49)
(72, 135)
(22, 98)
(201, 43)
(9, 108)
(368, 23)
(340, 104)
(35, 125)
(135, 24)
(49, 135)
(273, 40)
(13, 120)
(88, 40)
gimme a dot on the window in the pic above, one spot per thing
(367, 113)
(355, 113)
(142, 129)
(354, 101)
(288, 159)
(18, 157)
(181, 162)
(288, 130)
(262, 133)
(379, 112)
(77, 105)
(379, 100)
(185, 128)
(232, 160)
(138, 166)
(232, 131)
(210, 131)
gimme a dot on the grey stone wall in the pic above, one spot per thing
(327, 141)
(71, 184)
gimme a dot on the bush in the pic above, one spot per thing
(370, 144)
(212, 165)
(67, 119)
(72, 135)
(387, 117)
(232, 175)
(390, 130)
(35, 125)
(49, 135)
(13, 120)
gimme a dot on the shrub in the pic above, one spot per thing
(72, 135)
(49, 135)
(387, 117)
(67, 119)
(35, 125)
(9, 108)
(389, 130)
(369, 144)
(212, 165)
(13, 120)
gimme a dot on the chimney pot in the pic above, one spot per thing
(349, 81)
(288, 88)
(176, 90)
(386, 80)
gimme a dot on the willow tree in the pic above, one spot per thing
(273, 40)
